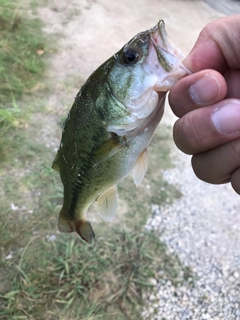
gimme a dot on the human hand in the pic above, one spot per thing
(208, 104)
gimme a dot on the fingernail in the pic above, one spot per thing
(227, 118)
(205, 90)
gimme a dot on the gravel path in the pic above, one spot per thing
(203, 229)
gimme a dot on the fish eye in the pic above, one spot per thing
(131, 56)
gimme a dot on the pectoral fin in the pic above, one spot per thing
(107, 204)
(108, 149)
(140, 168)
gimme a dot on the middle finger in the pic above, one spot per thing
(208, 127)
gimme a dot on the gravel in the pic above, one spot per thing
(203, 229)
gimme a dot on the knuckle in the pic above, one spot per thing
(235, 149)
(190, 139)
(211, 30)
(177, 98)
(235, 180)
(198, 167)
(206, 31)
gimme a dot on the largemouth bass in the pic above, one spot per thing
(110, 125)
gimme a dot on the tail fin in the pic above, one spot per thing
(82, 227)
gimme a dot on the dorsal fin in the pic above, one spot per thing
(140, 168)
(107, 204)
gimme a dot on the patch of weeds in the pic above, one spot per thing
(22, 45)
(18, 149)
(70, 14)
(35, 4)
(74, 280)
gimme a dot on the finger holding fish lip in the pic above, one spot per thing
(197, 90)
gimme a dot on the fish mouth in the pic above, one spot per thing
(167, 52)
(168, 55)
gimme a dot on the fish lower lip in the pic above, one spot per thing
(162, 47)
(162, 31)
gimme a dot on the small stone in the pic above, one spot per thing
(51, 238)
(9, 256)
(153, 281)
(219, 282)
(13, 207)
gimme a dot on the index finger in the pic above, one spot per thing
(197, 90)
(217, 46)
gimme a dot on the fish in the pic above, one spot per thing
(110, 125)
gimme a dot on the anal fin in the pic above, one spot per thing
(140, 168)
(65, 225)
(107, 204)
(82, 227)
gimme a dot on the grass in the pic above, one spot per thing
(45, 274)
(22, 44)
(73, 280)
(66, 278)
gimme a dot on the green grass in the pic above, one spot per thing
(21, 40)
(67, 278)
(72, 280)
